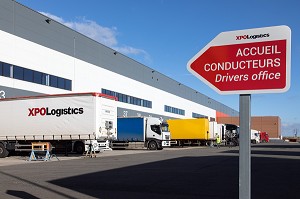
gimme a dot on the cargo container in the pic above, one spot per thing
(71, 122)
(190, 131)
(142, 132)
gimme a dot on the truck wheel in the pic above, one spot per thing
(152, 145)
(3, 151)
(79, 147)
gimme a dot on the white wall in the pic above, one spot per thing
(86, 77)
(23, 53)
(89, 77)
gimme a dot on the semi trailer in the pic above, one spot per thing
(201, 131)
(190, 132)
(141, 132)
(69, 122)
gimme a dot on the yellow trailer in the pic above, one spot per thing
(189, 131)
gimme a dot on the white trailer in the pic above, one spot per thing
(215, 130)
(67, 121)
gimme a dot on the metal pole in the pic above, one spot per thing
(245, 147)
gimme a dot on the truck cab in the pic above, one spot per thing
(166, 135)
(137, 132)
(255, 136)
(264, 136)
(232, 134)
(157, 133)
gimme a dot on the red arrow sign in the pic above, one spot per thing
(243, 67)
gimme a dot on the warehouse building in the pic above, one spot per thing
(41, 56)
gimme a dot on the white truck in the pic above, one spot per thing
(70, 122)
(142, 132)
(255, 138)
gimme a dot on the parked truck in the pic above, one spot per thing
(232, 135)
(142, 132)
(201, 131)
(70, 122)
(255, 136)
(190, 132)
(264, 136)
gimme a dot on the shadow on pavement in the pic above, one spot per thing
(20, 194)
(277, 146)
(190, 177)
(264, 152)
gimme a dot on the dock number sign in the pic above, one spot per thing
(246, 61)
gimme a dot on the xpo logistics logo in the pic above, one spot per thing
(44, 111)
(242, 37)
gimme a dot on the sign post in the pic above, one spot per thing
(245, 147)
(246, 62)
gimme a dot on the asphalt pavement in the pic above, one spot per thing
(174, 173)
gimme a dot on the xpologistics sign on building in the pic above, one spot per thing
(246, 61)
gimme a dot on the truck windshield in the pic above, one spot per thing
(165, 127)
(156, 128)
